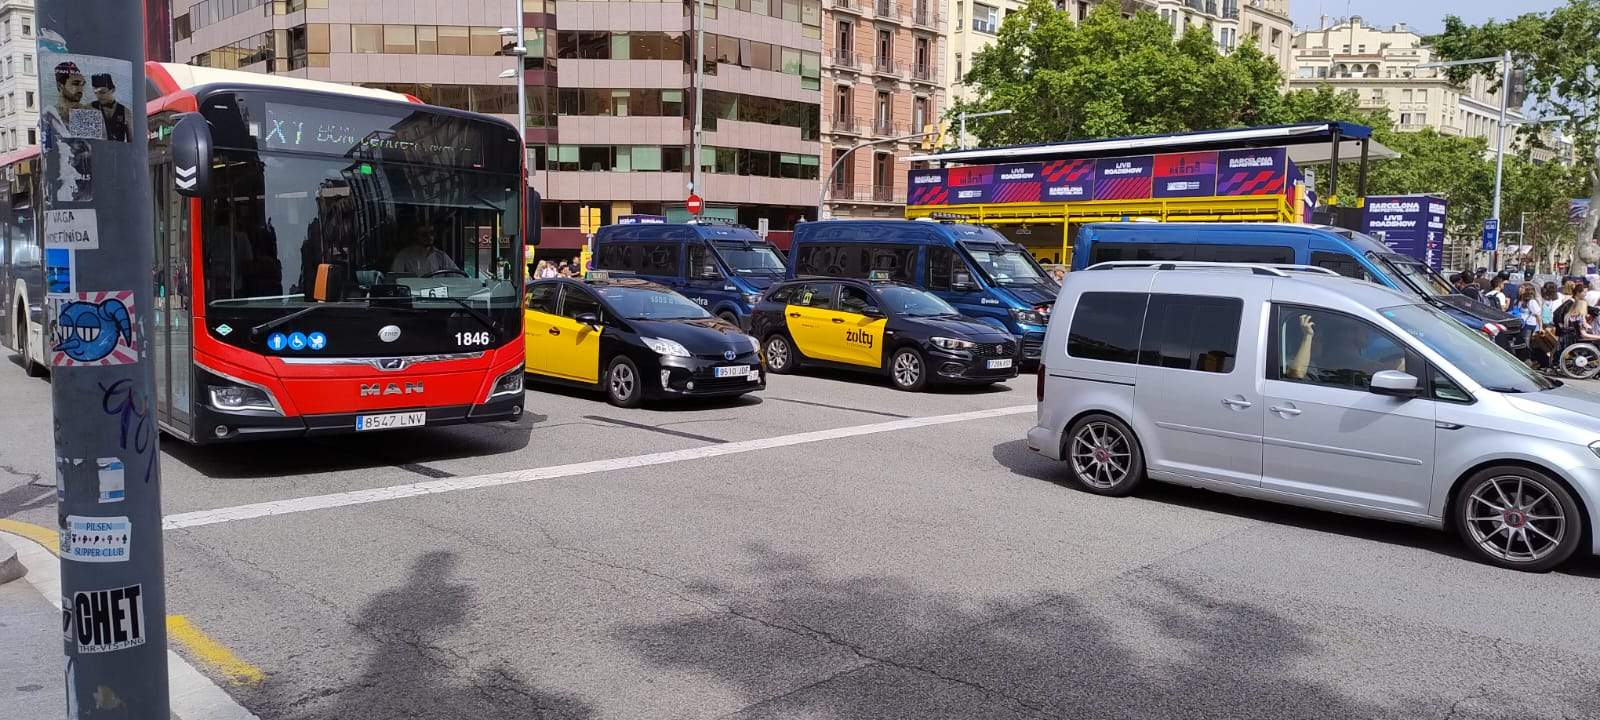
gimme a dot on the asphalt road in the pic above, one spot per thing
(880, 566)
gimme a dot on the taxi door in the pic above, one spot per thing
(858, 327)
(537, 322)
(575, 346)
(810, 316)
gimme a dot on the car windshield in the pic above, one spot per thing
(1469, 351)
(650, 303)
(1009, 267)
(914, 302)
(750, 258)
(290, 231)
(1415, 275)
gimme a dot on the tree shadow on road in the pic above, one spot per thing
(309, 456)
(1016, 457)
(808, 645)
(415, 671)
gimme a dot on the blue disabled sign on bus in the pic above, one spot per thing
(1491, 234)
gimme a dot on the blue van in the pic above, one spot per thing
(974, 268)
(723, 267)
(1346, 252)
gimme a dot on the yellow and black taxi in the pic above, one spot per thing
(885, 327)
(636, 340)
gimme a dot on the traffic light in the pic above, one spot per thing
(588, 220)
(933, 139)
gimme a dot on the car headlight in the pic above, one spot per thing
(951, 343)
(508, 384)
(1029, 316)
(755, 345)
(663, 346)
(240, 398)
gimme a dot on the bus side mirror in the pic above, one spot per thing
(191, 155)
(962, 282)
(535, 217)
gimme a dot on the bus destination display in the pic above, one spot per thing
(415, 137)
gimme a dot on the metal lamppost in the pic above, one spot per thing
(827, 181)
(961, 139)
(1500, 128)
(520, 52)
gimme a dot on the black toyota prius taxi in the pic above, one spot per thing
(634, 339)
(883, 327)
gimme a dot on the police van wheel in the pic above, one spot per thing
(624, 385)
(729, 318)
(780, 355)
(908, 370)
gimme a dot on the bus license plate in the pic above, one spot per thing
(1000, 364)
(390, 421)
(733, 371)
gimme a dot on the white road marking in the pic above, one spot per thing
(193, 695)
(430, 487)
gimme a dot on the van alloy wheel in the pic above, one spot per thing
(1517, 520)
(1101, 455)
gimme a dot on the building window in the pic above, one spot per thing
(961, 16)
(27, 26)
(33, 136)
(366, 38)
(400, 39)
(885, 112)
(985, 18)
(454, 41)
(883, 177)
(961, 69)
(842, 106)
(1422, 95)
(29, 96)
(1405, 95)
(1405, 118)
(885, 48)
(845, 40)
(919, 114)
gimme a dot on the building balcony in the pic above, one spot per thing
(886, 66)
(846, 191)
(888, 9)
(925, 73)
(884, 127)
(924, 15)
(850, 6)
(845, 60)
(846, 125)
(887, 194)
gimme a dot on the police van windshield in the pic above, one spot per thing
(750, 258)
(648, 303)
(1006, 267)
(914, 302)
(1419, 277)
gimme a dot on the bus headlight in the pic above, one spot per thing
(239, 398)
(507, 384)
(663, 346)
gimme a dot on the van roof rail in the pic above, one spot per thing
(1273, 269)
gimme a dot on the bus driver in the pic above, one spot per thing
(421, 258)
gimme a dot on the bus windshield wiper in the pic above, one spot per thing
(476, 314)
(255, 332)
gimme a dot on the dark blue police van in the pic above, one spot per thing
(721, 266)
(985, 276)
(1343, 251)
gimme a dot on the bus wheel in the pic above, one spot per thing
(624, 386)
(29, 367)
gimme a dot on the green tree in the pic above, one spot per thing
(1559, 54)
(1447, 165)
(1108, 76)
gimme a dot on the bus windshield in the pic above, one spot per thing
(1007, 266)
(750, 258)
(288, 230)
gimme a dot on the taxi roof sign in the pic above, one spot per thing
(879, 276)
(601, 275)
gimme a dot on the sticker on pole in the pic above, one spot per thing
(96, 539)
(112, 483)
(73, 229)
(108, 620)
(59, 278)
(94, 329)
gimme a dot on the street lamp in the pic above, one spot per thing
(519, 51)
(827, 181)
(961, 140)
(1500, 129)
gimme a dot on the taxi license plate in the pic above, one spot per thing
(733, 371)
(1000, 364)
(390, 421)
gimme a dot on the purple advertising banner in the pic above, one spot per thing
(1186, 175)
(1411, 225)
(1125, 178)
(1251, 172)
(927, 187)
(1068, 180)
(1021, 182)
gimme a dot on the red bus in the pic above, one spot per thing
(329, 258)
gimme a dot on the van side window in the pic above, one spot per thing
(941, 264)
(1193, 252)
(1332, 349)
(702, 266)
(855, 260)
(659, 259)
(1340, 263)
(1106, 326)
(618, 256)
(1191, 332)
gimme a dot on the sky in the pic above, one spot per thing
(1424, 16)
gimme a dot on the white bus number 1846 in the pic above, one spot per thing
(470, 339)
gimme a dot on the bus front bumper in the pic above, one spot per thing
(212, 426)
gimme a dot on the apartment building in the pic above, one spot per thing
(19, 76)
(1229, 22)
(884, 78)
(1380, 65)
(610, 88)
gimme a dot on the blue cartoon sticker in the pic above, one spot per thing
(317, 341)
(277, 342)
(94, 329)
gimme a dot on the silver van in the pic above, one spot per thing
(1291, 384)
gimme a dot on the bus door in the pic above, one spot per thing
(171, 341)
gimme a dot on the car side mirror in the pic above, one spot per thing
(962, 282)
(872, 311)
(589, 318)
(1394, 383)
